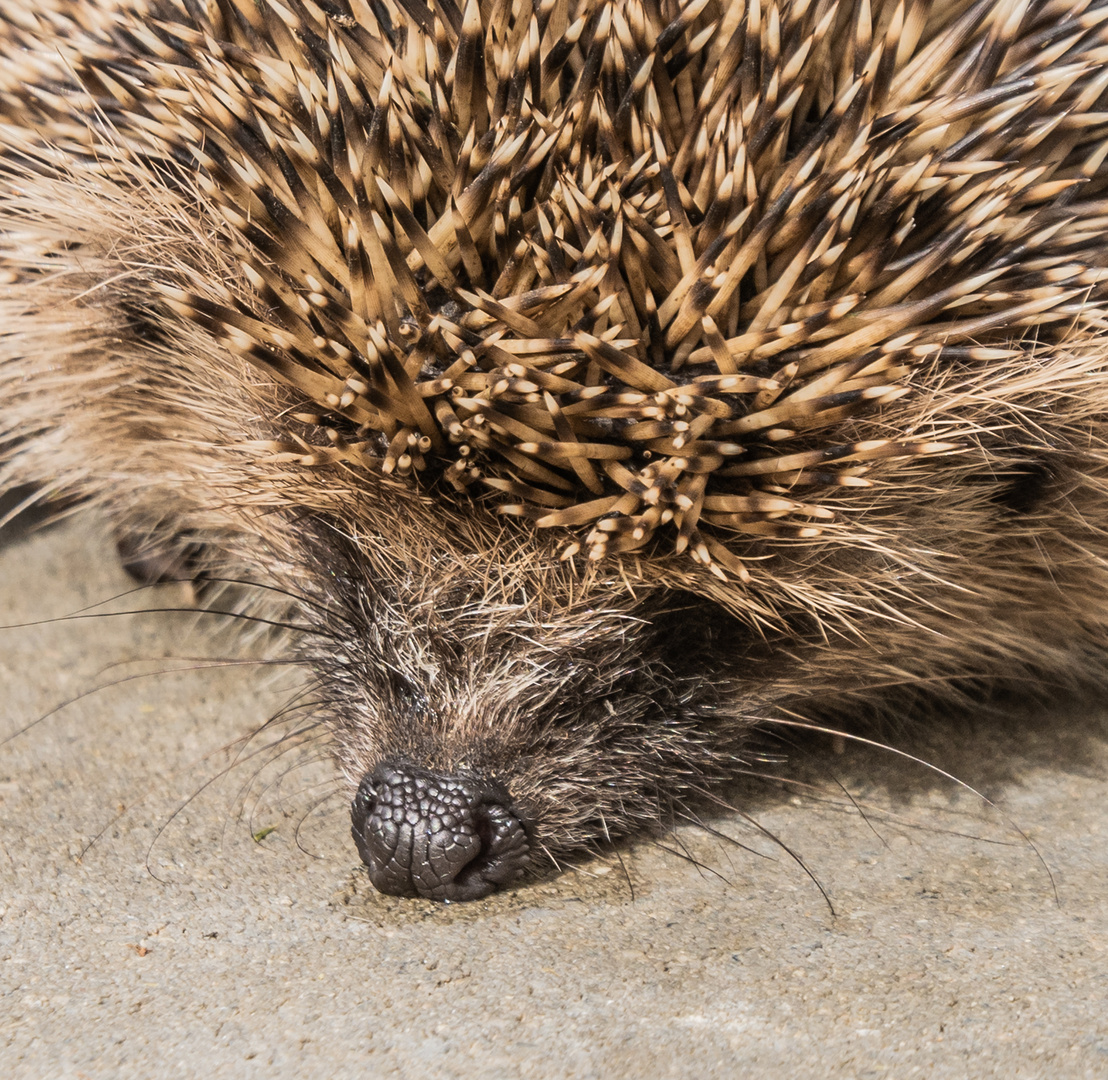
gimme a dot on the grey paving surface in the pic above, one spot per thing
(175, 945)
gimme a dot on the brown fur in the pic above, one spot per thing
(921, 520)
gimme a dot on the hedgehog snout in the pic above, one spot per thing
(441, 837)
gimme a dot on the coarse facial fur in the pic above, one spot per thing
(801, 414)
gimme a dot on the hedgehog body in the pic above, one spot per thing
(601, 380)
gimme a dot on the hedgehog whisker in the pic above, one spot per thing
(286, 741)
(714, 797)
(202, 666)
(686, 856)
(806, 725)
(610, 846)
(858, 807)
(299, 596)
(308, 732)
(626, 873)
(246, 794)
(303, 820)
(695, 819)
(817, 794)
(142, 798)
(238, 615)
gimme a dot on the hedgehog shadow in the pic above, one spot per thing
(968, 760)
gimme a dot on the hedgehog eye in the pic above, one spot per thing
(405, 692)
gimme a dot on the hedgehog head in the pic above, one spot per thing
(592, 313)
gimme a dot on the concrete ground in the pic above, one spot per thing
(144, 932)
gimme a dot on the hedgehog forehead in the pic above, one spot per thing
(626, 269)
(407, 565)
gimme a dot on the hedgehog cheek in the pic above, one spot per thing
(441, 837)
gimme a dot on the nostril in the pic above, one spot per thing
(504, 847)
(483, 821)
(443, 837)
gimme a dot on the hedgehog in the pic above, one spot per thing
(592, 386)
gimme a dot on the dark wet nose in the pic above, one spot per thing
(443, 837)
